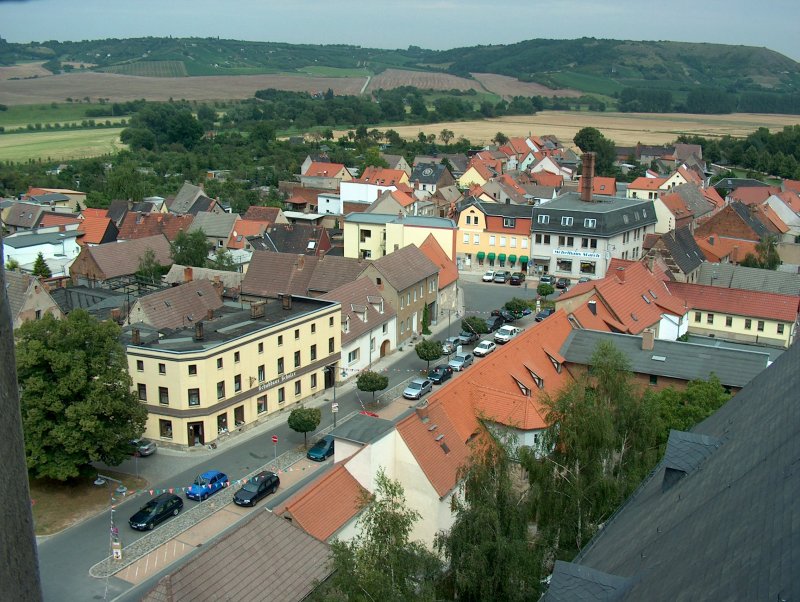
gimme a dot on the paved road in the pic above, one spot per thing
(65, 558)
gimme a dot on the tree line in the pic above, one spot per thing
(708, 101)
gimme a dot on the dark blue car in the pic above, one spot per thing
(207, 484)
(321, 450)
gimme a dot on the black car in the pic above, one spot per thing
(517, 278)
(261, 485)
(440, 373)
(321, 450)
(468, 338)
(563, 283)
(545, 313)
(494, 322)
(507, 316)
(156, 510)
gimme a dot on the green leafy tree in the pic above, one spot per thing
(190, 249)
(474, 324)
(500, 138)
(76, 399)
(590, 139)
(426, 320)
(304, 420)
(766, 256)
(681, 410)
(40, 267)
(428, 350)
(446, 136)
(369, 382)
(381, 562)
(149, 269)
(12, 264)
(223, 260)
(516, 305)
(545, 290)
(488, 551)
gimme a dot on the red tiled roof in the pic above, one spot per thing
(545, 178)
(327, 504)
(768, 214)
(756, 304)
(716, 248)
(93, 228)
(753, 195)
(92, 212)
(712, 196)
(35, 191)
(646, 183)
(793, 185)
(604, 186)
(326, 170)
(448, 272)
(481, 167)
(141, 225)
(791, 199)
(50, 218)
(401, 198)
(244, 228)
(265, 215)
(677, 205)
(382, 176)
(510, 182)
(690, 175)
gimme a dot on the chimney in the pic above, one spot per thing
(593, 307)
(321, 254)
(286, 301)
(301, 262)
(621, 274)
(422, 410)
(257, 309)
(116, 313)
(136, 336)
(187, 274)
(210, 314)
(587, 179)
(651, 261)
(648, 339)
(711, 240)
(198, 331)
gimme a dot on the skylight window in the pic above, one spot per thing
(646, 300)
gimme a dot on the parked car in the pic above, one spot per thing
(583, 279)
(440, 373)
(143, 447)
(449, 345)
(488, 276)
(563, 283)
(517, 278)
(417, 388)
(468, 338)
(494, 322)
(501, 276)
(261, 485)
(156, 510)
(321, 450)
(461, 361)
(546, 279)
(506, 333)
(484, 348)
(545, 313)
(508, 316)
(206, 485)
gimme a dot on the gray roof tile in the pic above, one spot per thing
(728, 275)
(405, 267)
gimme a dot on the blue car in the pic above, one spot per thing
(321, 450)
(207, 484)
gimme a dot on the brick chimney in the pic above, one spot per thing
(198, 331)
(257, 309)
(648, 339)
(136, 336)
(422, 410)
(587, 178)
(187, 274)
(210, 314)
(621, 274)
(286, 302)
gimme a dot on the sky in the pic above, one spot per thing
(435, 24)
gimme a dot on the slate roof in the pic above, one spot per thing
(264, 555)
(427, 173)
(24, 215)
(271, 274)
(97, 301)
(498, 209)
(122, 258)
(683, 249)
(694, 198)
(674, 359)
(216, 225)
(737, 302)
(25, 240)
(611, 214)
(293, 238)
(185, 199)
(140, 225)
(748, 218)
(17, 284)
(178, 306)
(729, 531)
(405, 267)
(358, 298)
(117, 210)
(728, 275)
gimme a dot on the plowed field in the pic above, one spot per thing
(394, 78)
(505, 86)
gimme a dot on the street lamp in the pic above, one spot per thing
(116, 542)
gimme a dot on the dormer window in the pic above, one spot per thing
(542, 219)
(509, 222)
(536, 378)
(566, 220)
(522, 387)
(590, 223)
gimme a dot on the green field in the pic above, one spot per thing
(585, 82)
(19, 116)
(150, 69)
(59, 145)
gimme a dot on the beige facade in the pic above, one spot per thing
(741, 328)
(372, 235)
(245, 366)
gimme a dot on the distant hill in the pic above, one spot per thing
(594, 66)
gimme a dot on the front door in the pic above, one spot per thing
(196, 434)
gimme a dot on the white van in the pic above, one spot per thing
(506, 333)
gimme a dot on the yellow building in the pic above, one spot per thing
(494, 235)
(235, 369)
(373, 235)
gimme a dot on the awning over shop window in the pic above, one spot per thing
(491, 256)
(501, 257)
(481, 255)
(512, 259)
(523, 259)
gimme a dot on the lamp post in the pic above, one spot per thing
(116, 542)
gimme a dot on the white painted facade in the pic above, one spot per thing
(362, 192)
(366, 349)
(670, 327)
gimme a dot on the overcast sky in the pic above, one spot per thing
(436, 24)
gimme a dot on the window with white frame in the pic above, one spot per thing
(524, 243)
(566, 220)
(502, 241)
(492, 239)
(509, 222)
(590, 223)
(512, 242)
(466, 238)
(476, 239)
(542, 219)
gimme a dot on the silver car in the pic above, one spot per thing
(417, 388)
(461, 361)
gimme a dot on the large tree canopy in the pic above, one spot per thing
(591, 140)
(76, 399)
(190, 249)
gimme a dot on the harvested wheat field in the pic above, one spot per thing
(395, 78)
(126, 87)
(23, 70)
(625, 129)
(505, 86)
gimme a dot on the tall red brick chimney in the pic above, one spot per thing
(587, 178)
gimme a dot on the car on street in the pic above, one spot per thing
(545, 313)
(206, 485)
(494, 322)
(439, 374)
(417, 388)
(321, 450)
(488, 276)
(508, 316)
(501, 276)
(468, 338)
(484, 348)
(449, 345)
(461, 361)
(506, 333)
(517, 278)
(156, 510)
(546, 279)
(142, 447)
(260, 486)
(583, 279)
(563, 283)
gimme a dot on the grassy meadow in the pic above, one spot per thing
(58, 145)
